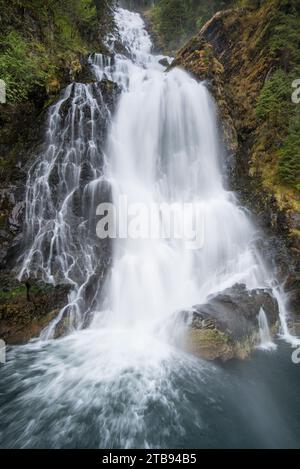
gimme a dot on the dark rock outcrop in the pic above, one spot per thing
(26, 308)
(164, 62)
(227, 326)
(21, 316)
(292, 288)
(21, 140)
(232, 54)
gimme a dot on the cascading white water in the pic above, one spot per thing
(162, 146)
(266, 342)
(60, 223)
(167, 151)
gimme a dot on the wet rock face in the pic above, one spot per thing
(25, 309)
(21, 133)
(227, 326)
(11, 215)
(110, 92)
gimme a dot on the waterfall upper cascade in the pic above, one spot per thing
(122, 376)
(162, 147)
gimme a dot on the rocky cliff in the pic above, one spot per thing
(44, 46)
(250, 58)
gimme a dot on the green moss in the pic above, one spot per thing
(274, 104)
(260, 60)
(19, 68)
(213, 344)
(21, 291)
(209, 344)
(16, 292)
(42, 47)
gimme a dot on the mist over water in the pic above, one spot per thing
(125, 381)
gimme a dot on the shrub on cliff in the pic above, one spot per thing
(274, 102)
(39, 41)
(20, 69)
(276, 109)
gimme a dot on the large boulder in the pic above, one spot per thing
(226, 326)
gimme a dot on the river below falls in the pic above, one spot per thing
(182, 403)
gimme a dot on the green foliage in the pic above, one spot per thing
(38, 39)
(175, 21)
(78, 16)
(279, 114)
(19, 69)
(274, 101)
(170, 17)
(289, 154)
(285, 40)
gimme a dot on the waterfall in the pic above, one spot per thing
(167, 151)
(63, 187)
(266, 342)
(119, 370)
(162, 147)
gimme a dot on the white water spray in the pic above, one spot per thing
(162, 146)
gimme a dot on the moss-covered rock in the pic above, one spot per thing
(227, 326)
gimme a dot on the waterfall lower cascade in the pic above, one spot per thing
(266, 342)
(119, 371)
